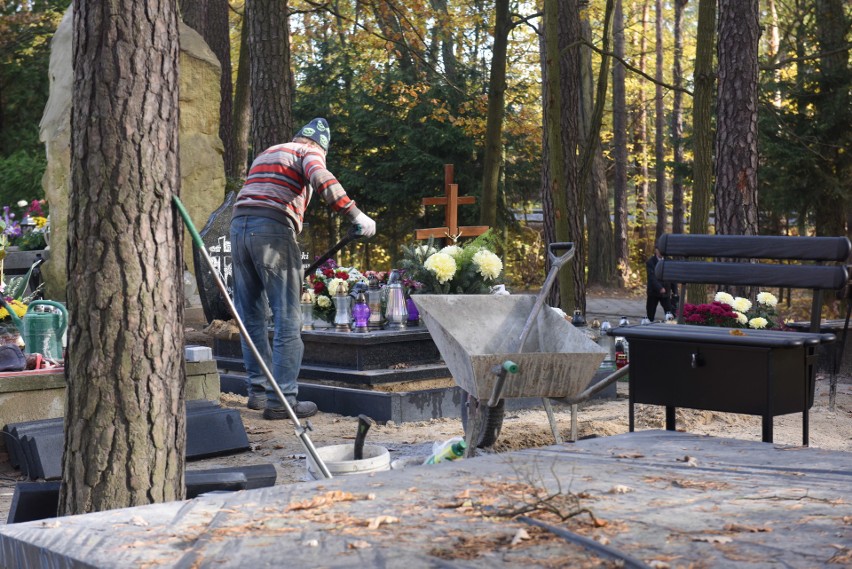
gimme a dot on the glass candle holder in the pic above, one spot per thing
(342, 314)
(413, 313)
(361, 313)
(307, 316)
(374, 301)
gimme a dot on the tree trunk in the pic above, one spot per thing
(619, 151)
(640, 145)
(242, 105)
(832, 106)
(702, 107)
(492, 160)
(569, 81)
(601, 260)
(548, 209)
(736, 123)
(269, 56)
(659, 127)
(677, 122)
(125, 433)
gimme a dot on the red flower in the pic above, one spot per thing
(328, 273)
(319, 287)
(342, 275)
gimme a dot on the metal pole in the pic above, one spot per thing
(301, 432)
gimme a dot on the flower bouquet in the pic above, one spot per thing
(325, 283)
(735, 312)
(455, 269)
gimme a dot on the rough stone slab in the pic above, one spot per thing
(685, 499)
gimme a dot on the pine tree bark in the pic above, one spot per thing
(640, 143)
(677, 121)
(548, 209)
(242, 105)
(659, 126)
(493, 159)
(619, 150)
(736, 122)
(702, 106)
(601, 260)
(270, 76)
(124, 423)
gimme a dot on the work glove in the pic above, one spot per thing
(365, 225)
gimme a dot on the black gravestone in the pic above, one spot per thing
(217, 241)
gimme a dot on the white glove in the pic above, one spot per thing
(365, 224)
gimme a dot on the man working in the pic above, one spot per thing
(658, 293)
(267, 217)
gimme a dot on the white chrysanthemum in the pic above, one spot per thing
(323, 301)
(741, 318)
(487, 264)
(442, 265)
(23, 203)
(757, 323)
(424, 251)
(355, 275)
(724, 298)
(337, 284)
(741, 304)
(452, 250)
(767, 298)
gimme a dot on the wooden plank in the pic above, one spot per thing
(462, 200)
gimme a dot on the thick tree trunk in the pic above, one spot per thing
(736, 123)
(269, 56)
(834, 202)
(124, 423)
(548, 209)
(218, 37)
(242, 105)
(640, 143)
(659, 127)
(492, 160)
(677, 122)
(601, 261)
(619, 151)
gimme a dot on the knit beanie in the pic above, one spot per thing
(318, 131)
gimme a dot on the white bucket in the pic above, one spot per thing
(340, 460)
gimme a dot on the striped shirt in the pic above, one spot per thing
(282, 180)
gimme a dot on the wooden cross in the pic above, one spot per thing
(451, 201)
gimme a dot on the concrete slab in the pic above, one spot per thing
(662, 498)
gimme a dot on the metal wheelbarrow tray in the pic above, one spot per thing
(474, 334)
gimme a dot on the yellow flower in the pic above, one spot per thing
(442, 265)
(741, 318)
(724, 298)
(767, 298)
(18, 307)
(323, 301)
(757, 323)
(488, 264)
(741, 304)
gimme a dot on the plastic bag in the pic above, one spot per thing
(447, 450)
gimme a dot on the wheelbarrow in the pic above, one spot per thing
(499, 347)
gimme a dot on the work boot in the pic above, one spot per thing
(256, 401)
(302, 409)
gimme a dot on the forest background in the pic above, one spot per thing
(411, 86)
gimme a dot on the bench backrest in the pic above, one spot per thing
(814, 250)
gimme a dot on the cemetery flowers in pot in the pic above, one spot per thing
(326, 281)
(472, 268)
(735, 312)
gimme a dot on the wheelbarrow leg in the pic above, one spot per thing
(554, 428)
(574, 435)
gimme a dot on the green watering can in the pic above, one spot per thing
(41, 331)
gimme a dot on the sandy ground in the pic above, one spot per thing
(275, 442)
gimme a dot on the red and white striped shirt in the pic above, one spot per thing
(283, 178)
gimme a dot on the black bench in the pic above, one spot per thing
(755, 372)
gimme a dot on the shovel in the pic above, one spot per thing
(350, 236)
(364, 424)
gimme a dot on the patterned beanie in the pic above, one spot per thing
(318, 131)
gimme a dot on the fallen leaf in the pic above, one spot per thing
(620, 489)
(630, 455)
(138, 521)
(379, 520)
(360, 544)
(657, 564)
(713, 538)
(311, 543)
(53, 524)
(736, 332)
(689, 460)
(321, 501)
(747, 529)
(520, 536)
(847, 520)
(843, 555)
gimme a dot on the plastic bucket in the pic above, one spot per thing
(340, 460)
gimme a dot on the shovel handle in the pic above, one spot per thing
(350, 236)
(559, 260)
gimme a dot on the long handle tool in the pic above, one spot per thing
(301, 432)
(364, 424)
(352, 235)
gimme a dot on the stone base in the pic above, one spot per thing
(40, 394)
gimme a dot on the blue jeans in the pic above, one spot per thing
(266, 259)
